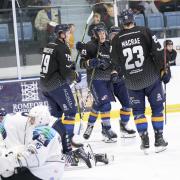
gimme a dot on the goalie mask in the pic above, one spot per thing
(39, 116)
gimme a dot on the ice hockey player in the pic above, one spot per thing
(168, 46)
(57, 72)
(32, 149)
(96, 60)
(138, 53)
(121, 92)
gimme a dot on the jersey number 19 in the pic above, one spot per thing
(45, 63)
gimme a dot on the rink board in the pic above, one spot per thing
(22, 95)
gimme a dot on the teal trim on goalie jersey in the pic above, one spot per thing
(44, 134)
(3, 131)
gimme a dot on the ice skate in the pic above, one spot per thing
(109, 136)
(81, 154)
(126, 132)
(88, 131)
(160, 143)
(145, 142)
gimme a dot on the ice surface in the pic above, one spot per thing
(130, 163)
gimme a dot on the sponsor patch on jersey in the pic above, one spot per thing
(159, 97)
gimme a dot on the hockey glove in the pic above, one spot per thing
(165, 76)
(93, 63)
(104, 64)
(77, 76)
(80, 46)
(114, 77)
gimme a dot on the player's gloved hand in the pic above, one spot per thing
(165, 76)
(114, 77)
(93, 63)
(103, 64)
(80, 45)
(73, 66)
(77, 77)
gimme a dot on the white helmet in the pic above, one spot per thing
(40, 114)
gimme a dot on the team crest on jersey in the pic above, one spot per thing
(43, 135)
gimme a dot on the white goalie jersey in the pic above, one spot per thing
(38, 149)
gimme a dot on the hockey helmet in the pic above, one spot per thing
(39, 116)
(3, 112)
(168, 42)
(99, 28)
(126, 17)
(61, 28)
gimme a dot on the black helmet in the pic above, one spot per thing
(61, 28)
(98, 28)
(126, 17)
(168, 42)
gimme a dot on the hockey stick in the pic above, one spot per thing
(165, 69)
(84, 33)
(76, 93)
(89, 90)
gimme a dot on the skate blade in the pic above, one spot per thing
(145, 151)
(112, 140)
(126, 135)
(160, 149)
